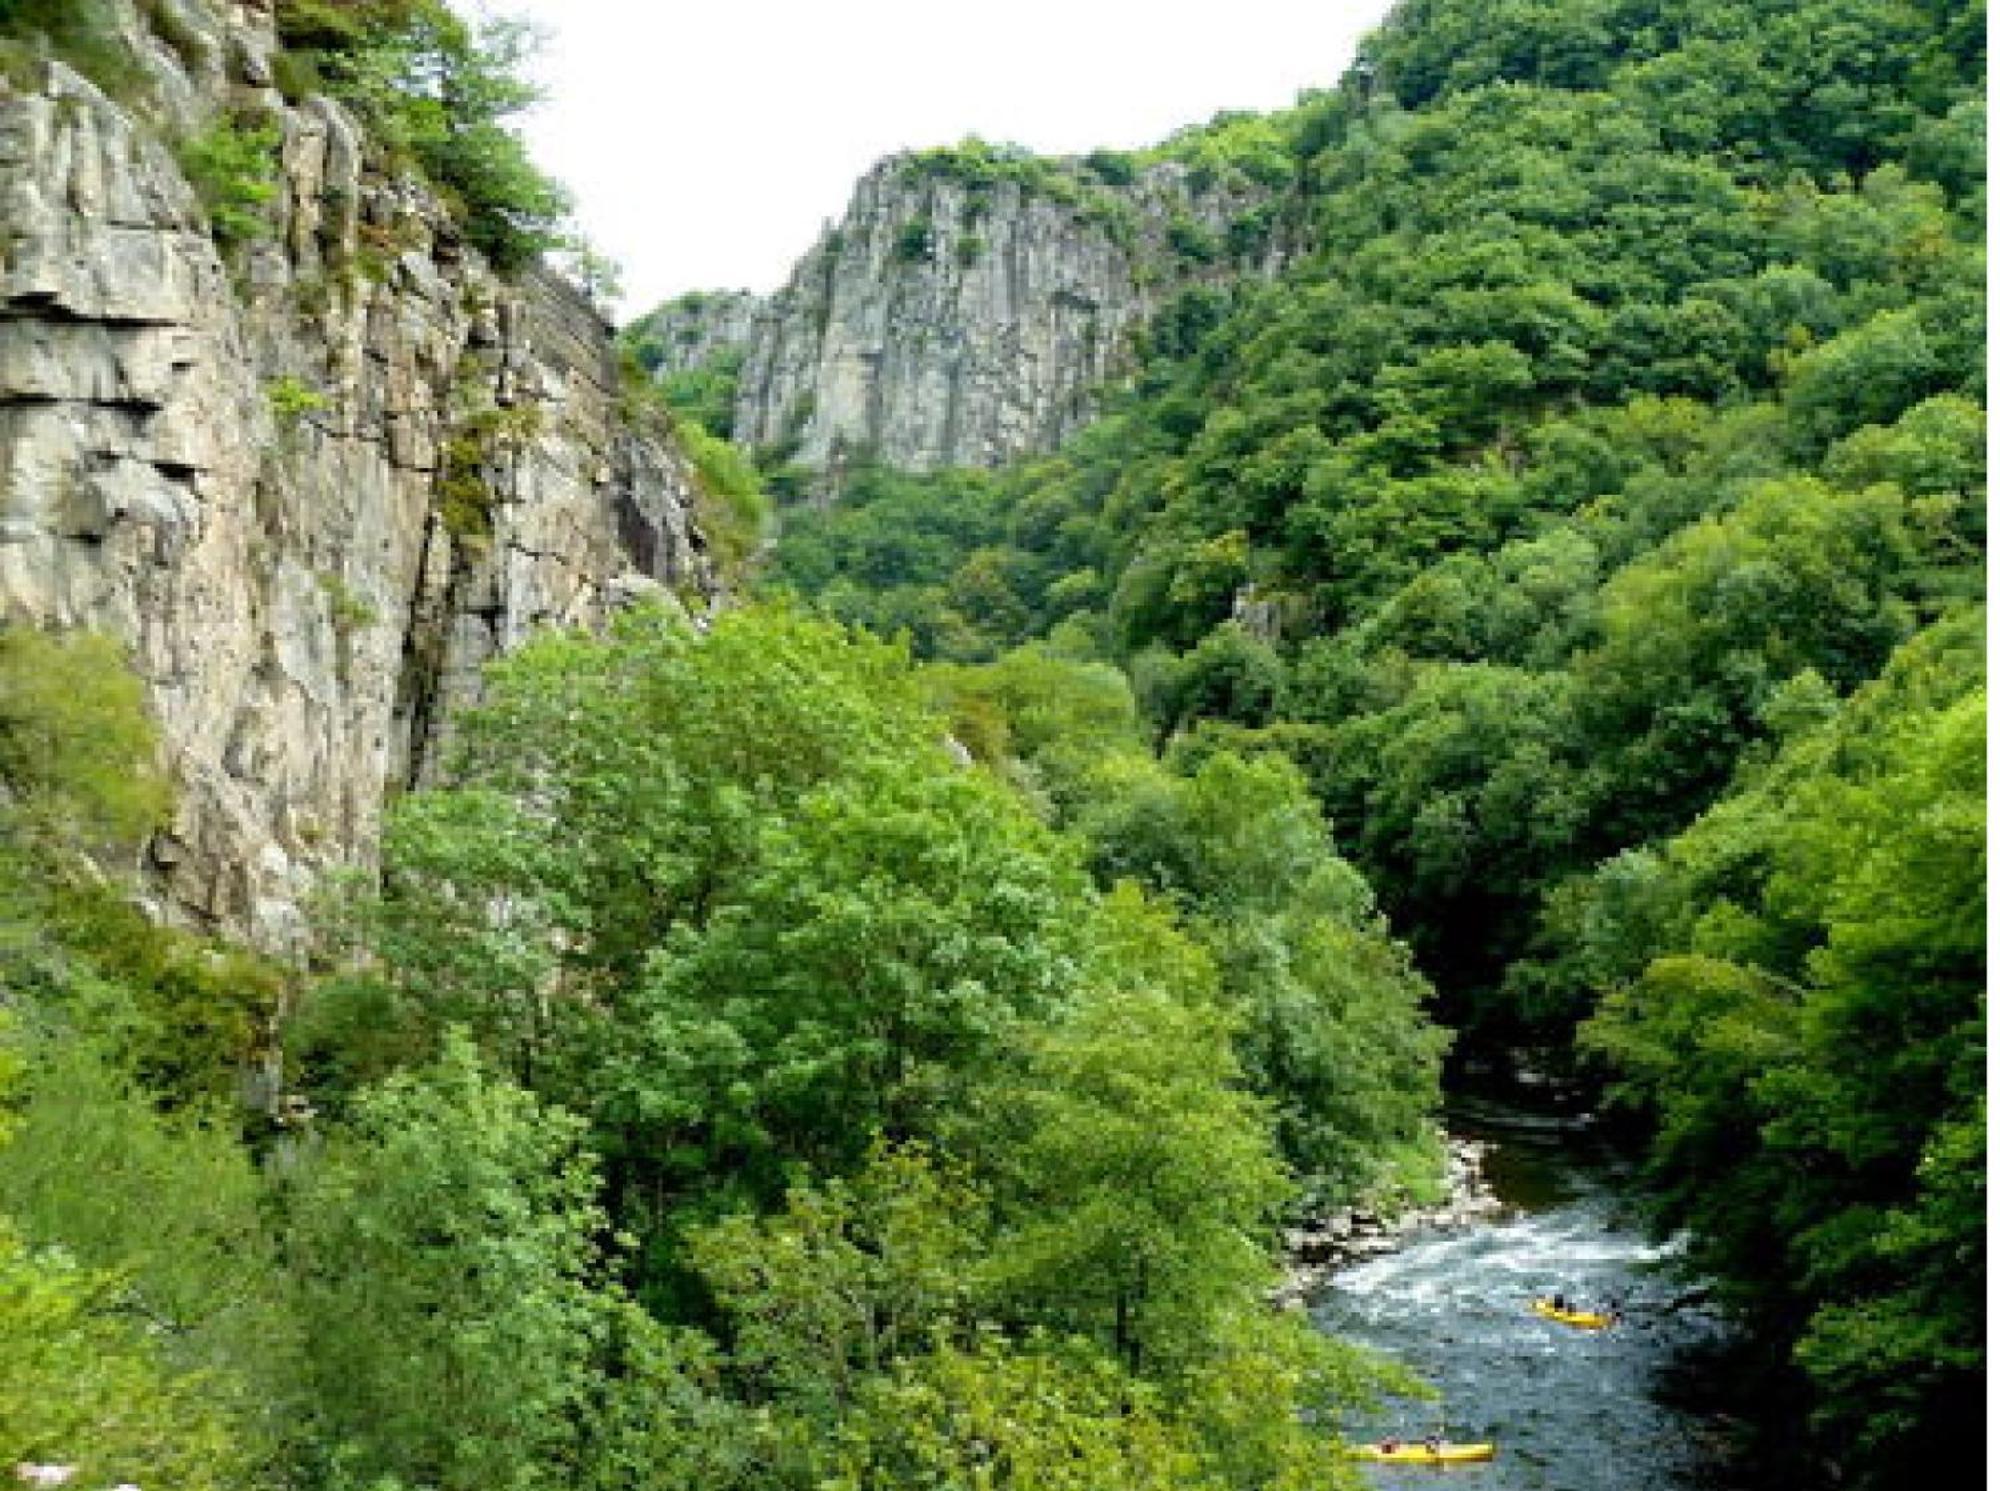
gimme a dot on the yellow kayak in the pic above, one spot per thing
(1422, 1454)
(1583, 1320)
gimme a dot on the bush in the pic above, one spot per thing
(706, 394)
(292, 399)
(75, 747)
(1112, 167)
(913, 241)
(232, 166)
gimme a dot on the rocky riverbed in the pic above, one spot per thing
(1319, 1248)
(1447, 1294)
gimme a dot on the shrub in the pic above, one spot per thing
(232, 166)
(706, 394)
(465, 501)
(1191, 241)
(171, 27)
(347, 607)
(1112, 167)
(913, 241)
(292, 399)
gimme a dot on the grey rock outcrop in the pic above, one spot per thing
(954, 319)
(696, 329)
(314, 490)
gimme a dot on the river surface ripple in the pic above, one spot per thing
(1570, 1410)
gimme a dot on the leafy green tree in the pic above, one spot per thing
(85, 1387)
(848, 1279)
(1058, 1417)
(658, 1419)
(86, 1384)
(76, 778)
(730, 897)
(1456, 799)
(706, 394)
(1696, 638)
(1231, 675)
(75, 745)
(1807, 1039)
(1137, 1177)
(172, 1210)
(1259, 1405)
(447, 1272)
(1034, 710)
(887, 947)
(80, 788)
(1331, 1028)
(1896, 1366)
(1866, 376)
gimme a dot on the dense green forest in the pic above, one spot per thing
(774, 1056)
(1595, 518)
(726, 1086)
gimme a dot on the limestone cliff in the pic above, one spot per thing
(314, 484)
(700, 329)
(967, 308)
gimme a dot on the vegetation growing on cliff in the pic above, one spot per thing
(440, 91)
(435, 90)
(732, 507)
(81, 32)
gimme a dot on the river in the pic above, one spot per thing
(1570, 1410)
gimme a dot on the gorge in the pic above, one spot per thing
(799, 895)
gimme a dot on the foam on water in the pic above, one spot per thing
(1571, 1410)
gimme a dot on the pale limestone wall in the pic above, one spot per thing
(304, 617)
(953, 359)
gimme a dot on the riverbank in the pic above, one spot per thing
(1318, 1249)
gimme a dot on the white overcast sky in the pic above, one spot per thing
(707, 140)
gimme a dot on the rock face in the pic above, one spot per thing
(699, 328)
(314, 488)
(955, 318)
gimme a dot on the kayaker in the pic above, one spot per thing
(1390, 1446)
(1434, 1443)
(1559, 1304)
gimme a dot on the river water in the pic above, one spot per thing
(1570, 1410)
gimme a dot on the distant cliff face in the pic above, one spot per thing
(964, 318)
(315, 486)
(698, 329)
